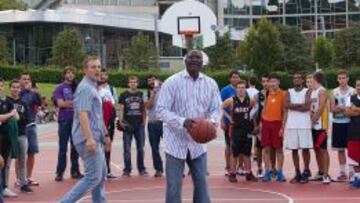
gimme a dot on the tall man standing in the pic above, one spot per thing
(31, 98)
(63, 96)
(155, 126)
(184, 97)
(339, 97)
(227, 92)
(89, 135)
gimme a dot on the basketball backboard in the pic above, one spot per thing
(189, 16)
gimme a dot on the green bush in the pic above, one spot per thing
(119, 78)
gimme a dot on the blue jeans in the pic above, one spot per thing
(140, 142)
(33, 143)
(174, 179)
(64, 132)
(155, 130)
(94, 177)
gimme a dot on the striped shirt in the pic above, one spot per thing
(88, 99)
(183, 98)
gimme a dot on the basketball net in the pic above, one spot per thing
(188, 37)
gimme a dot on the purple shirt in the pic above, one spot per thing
(64, 91)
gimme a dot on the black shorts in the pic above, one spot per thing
(241, 142)
(339, 136)
(319, 139)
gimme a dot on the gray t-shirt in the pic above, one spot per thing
(151, 111)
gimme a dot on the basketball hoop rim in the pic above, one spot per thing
(188, 33)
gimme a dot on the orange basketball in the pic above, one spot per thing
(203, 131)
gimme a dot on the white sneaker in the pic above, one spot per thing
(8, 193)
(326, 179)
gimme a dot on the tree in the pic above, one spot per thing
(68, 49)
(222, 55)
(141, 53)
(323, 52)
(4, 51)
(296, 49)
(262, 49)
(347, 47)
(10, 4)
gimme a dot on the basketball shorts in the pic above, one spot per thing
(270, 134)
(339, 136)
(241, 142)
(319, 139)
(226, 135)
(354, 150)
(298, 139)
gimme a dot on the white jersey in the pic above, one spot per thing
(106, 95)
(252, 92)
(342, 99)
(297, 119)
(322, 123)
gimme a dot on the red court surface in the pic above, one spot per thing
(148, 189)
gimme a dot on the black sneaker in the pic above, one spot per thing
(77, 175)
(296, 179)
(59, 177)
(110, 176)
(143, 173)
(232, 178)
(274, 173)
(158, 174)
(307, 173)
(26, 189)
(126, 174)
(251, 177)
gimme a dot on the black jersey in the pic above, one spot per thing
(240, 114)
(354, 129)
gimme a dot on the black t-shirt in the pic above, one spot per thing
(354, 130)
(21, 108)
(5, 107)
(133, 107)
(241, 114)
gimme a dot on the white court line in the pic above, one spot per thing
(290, 200)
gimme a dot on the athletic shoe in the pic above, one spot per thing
(326, 179)
(304, 179)
(274, 173)
(296, 179)
(355, 183)
(143, 173)
(240, 172)
(8, 193)
(259, 173)
(110, 176)
(232, 178)
(227, 173)
(318, 177)
(26, 189)
(77, 175)
(158, 174)
(59, 177)
(307, 173)
(280, 177)
(251, 177)
(32, 182)
(126, 174)
(267, 177)
(342, 177)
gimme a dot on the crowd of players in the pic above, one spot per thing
(258, 125)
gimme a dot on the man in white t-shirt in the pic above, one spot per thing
(298, 126)
(340, 96)
(252, 91)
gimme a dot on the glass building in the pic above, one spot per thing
(312, 16)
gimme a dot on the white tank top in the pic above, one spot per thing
(342, 99)
(297, 119)
(321, 124)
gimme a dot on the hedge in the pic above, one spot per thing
(119, 78)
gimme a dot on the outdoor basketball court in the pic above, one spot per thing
(148, 189)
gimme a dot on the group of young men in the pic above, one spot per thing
(18, 133)
(296, 119)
